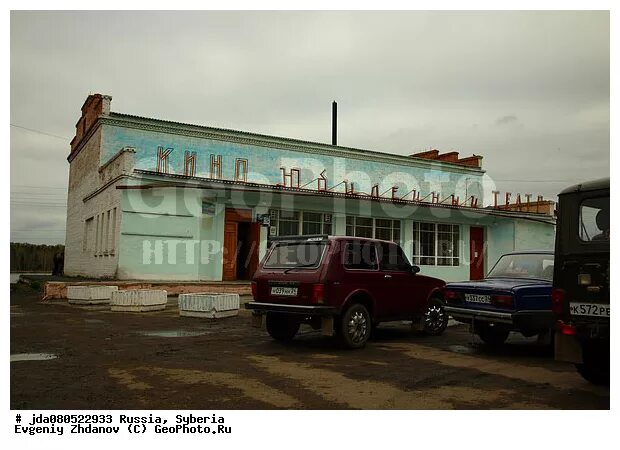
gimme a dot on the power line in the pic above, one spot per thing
(40, 132)
(38, 187)
(51, 205)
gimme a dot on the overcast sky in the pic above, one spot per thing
(529, 91)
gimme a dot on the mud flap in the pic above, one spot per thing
(568, 348)
(327, 325)
(257, 320)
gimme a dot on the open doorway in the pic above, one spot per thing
(244, 251)
(241, 239)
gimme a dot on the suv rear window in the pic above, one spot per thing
(360, 256)
(296, 254)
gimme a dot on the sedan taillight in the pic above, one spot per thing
(449, 296)
(502, 300)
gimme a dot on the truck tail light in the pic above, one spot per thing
(502, 300)
(557, 300)
(318, 293)
(254, 290)
(453, 296)
(565, 328)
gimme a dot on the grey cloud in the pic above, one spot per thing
(506, 120)
(404, 81)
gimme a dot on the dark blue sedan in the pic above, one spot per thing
(515, 296)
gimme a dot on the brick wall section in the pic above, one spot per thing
(448, 157)
(58, 290)
(94, 106)
(472, 161)
(93, 194)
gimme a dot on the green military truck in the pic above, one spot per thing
(580, 296)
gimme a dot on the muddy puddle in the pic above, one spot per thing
(173, 333)
(32, 357)
(465, 349)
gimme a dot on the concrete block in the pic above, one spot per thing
(211, 306)
(90, 295)
(139, 300)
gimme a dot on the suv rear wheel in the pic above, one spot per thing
(281, 327)
(435, 318)
(355, 326)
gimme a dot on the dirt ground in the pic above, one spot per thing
(160, 360)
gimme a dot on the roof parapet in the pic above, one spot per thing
(451, 157)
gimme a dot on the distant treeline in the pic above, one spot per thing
(33, 257)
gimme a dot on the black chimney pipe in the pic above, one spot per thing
(334, 123)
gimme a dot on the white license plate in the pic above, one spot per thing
(589, 309)
(476, 298)
(284, 291)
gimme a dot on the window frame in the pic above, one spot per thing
(398, 248)
(374, 248)
(418, 258)
(275, 216)
(374, 227)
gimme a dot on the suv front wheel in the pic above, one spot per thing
(281, 327)
(355, 326)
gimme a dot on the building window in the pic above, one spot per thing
(436, 244)
(88, 231)
(290, 223)
(113, 233)
(97, 233)
(386, 229)
(107, 232)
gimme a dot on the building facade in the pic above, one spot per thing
(157, 200)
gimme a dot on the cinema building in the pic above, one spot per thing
(151, 199)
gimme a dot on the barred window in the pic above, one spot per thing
(436, 244)
(368, 227)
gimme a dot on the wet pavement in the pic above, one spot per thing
(32, 357)
(159, 360)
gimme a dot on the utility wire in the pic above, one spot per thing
(38, 187)
(40, 132)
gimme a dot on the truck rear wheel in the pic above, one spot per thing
(281, 327)
(595, 366)
(355, 326)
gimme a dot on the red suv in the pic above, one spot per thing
(343, 285)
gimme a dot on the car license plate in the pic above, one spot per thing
(476, 298)
(284, 291)
(589, 309)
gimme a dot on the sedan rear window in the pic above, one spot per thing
(296, 254)
(526, 265)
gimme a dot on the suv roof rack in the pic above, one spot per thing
(300, 238)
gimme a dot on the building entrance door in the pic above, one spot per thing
(241, 239)
(476, 253)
